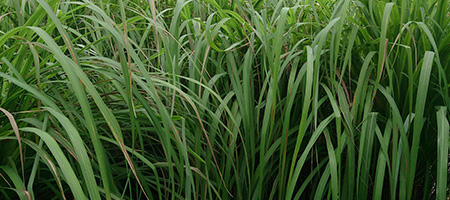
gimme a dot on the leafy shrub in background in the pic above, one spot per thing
(221, 99)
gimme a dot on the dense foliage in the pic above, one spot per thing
(221, 99)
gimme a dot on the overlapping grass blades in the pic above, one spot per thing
(215, 99)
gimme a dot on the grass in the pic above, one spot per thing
(215, 99)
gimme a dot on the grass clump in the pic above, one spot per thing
(214, 99)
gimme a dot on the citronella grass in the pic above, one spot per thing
(216, 99)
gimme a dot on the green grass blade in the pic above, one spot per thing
(442, 147)
(65, 167)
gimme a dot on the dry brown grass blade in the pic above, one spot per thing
(16, 132)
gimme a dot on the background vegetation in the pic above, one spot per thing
(221, 99)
